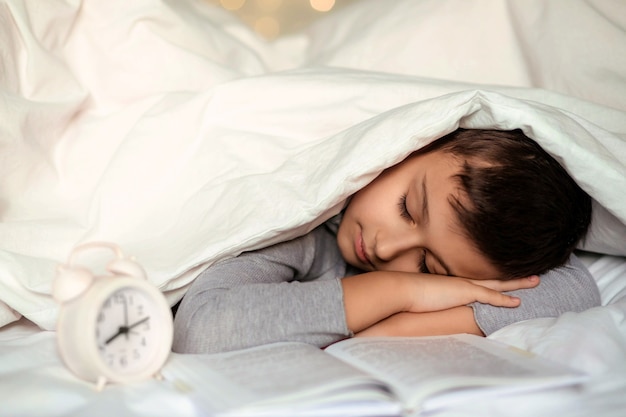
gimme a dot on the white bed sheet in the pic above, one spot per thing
(161, 154)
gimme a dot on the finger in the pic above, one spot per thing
(510, 285)
(519, 283)
(497, 299)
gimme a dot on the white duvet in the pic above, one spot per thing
(169, 128)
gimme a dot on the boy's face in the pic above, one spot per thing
(403, 221)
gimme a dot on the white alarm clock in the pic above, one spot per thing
(113, 327)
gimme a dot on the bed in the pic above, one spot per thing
(174, 130)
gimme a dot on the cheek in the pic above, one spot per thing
(344, 242)
(408, 262)
(341, 243)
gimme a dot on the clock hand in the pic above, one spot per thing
(123, 330)
(126, 316)
(138, 323)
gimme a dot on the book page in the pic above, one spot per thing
(291, 375)
(420, 367)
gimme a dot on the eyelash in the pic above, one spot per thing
(423, 268)
(404, 211)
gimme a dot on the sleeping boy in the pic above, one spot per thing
(451, 240)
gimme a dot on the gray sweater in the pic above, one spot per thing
(292, 292)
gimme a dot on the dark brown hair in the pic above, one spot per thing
(523, 211)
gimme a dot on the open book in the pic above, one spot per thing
(360, 376)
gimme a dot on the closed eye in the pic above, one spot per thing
(404, 211)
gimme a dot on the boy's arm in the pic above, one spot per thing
(435, 323)
(570, 287)
(279, 293)
(374, 297)
(567, 288)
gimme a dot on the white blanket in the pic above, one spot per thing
(156, 125)
(171, 129)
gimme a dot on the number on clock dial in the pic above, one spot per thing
(126, 337)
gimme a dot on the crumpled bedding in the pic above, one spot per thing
(171, 129)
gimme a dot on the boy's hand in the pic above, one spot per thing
(437, 292)
(374, 296)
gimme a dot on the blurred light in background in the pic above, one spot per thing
(232, 4)
(267, 26)
(322, 5)
(272, 18)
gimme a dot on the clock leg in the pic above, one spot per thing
(100, 383)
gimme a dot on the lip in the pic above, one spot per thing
(359, 249)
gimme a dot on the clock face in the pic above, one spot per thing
(127, 330)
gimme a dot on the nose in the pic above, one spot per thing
(390, 246)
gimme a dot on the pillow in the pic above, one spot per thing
(573, 47)
(121, 52)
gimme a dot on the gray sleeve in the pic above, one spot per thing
(287, 292)
(570, 287)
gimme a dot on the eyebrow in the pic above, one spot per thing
(425, 218)
(425, 215)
